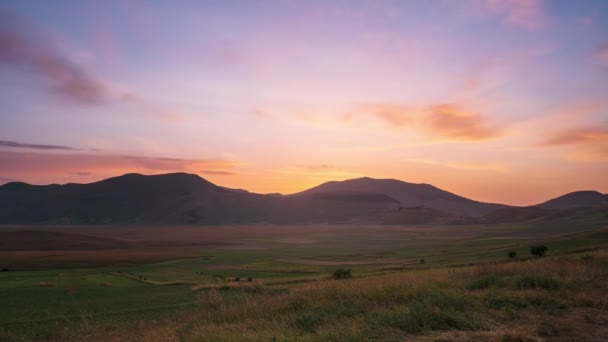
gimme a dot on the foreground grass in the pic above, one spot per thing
(560, 298)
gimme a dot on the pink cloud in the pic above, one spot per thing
(601, 53)
(21, 45)
(453, 122)
(528, 14)
(44, 166)
(440, 121)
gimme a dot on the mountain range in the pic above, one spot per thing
(181, 198)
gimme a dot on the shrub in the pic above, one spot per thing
(342, 274)
(422, 261)
(512, 254)
(486, 282)
(250, 279)
(308, 321)
(537, 282)
(538, 250)
(237, 279)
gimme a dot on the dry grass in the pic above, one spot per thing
(424, 305)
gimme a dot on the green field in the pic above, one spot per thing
(63, 294)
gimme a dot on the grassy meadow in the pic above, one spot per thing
(266, 283)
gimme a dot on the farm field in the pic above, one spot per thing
(145, 278)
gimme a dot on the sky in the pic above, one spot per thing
(498, 101)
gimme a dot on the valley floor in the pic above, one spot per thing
(409, 283)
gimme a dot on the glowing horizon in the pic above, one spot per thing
(497, 101)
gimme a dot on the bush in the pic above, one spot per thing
(486, 282)
(538, 250)
(342, 274)
(250, 279)
(308, 321)
(537, 282)
(512, 254)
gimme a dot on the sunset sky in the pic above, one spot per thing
(499, 101)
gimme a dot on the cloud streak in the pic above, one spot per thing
(589, 144)
(528, 14)
(216, 173)
(36, 165)
(601, 53)
(15, 144)
(446, 121)
(21, 45)
(454, 123)
(577, 137)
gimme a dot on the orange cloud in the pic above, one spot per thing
(591, 144)
(578, 136)
(394, 114)
(464, 165)
(452, 122)
(318, 167)
(216, 173)
(444, 121)
(45, 167)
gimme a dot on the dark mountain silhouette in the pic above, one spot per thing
(132, 198)
(408, 194)
(568, 206)
(181, 198)
(576, 199)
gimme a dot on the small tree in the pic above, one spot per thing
(422, 261)
(250, 279)
(342, 274)
(538, 250)
(512, 254)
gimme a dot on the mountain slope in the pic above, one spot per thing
(568, 206)
(181, 198)
(408, 194)
(576, 199)
(132, 198)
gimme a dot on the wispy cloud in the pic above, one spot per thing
(528, 14)
(578, 136)
(21, 45)
(395, 114)
(15, 144)
(601, 53)
(34, 165)
(453, 122)
(585, 144)
(318, 167)
(464, 165)
(216, 173)
(441, 121)
(4, 180)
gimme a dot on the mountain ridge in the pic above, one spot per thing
(182, 198)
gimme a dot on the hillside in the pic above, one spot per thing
(576, 199)
(408, 194)
(181, 198)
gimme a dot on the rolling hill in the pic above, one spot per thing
(408, 194)
(181, 198)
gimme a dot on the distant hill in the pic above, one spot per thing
(408, 195)
(568, 206)
(132, 198)
(181, 198)
(576, 199)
